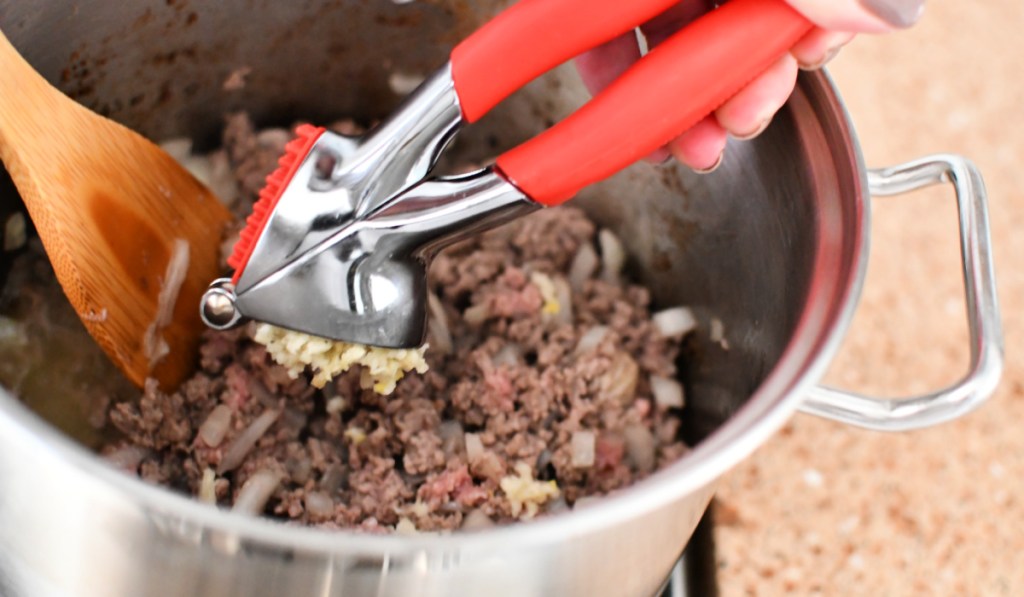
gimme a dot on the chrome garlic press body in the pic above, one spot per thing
(341, 238)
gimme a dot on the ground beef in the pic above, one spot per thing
(515, 387)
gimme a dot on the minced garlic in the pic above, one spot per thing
(382, 367)
(356, 435)
(548, 292)
(526, 494)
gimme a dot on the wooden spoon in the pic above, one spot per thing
(112, 209)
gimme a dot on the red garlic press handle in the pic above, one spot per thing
(668, 91)
(534, 36)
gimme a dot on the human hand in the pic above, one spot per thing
(750, 111)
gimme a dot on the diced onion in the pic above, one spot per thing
(222, 179)
(591, 338)
(403, 84)
(675, 322)
(613, 255)
(332, 478)
(253, 496)
(474, 447)
(336, 405)
(668, 393)
(640, 447)
(508, 355)
(619, 381)
(476, 520)
(246, 441)
(208, 487)
(453, 439)
(199, 167)
(319, 504)
(476, 314)
(584, 264)
(406, 527)
(717, 331)
(179, 148)
(583, 443)
(215, 427)
(15, 233)
(563, 294)
(274, 138)
(438, 327)
(154, 346)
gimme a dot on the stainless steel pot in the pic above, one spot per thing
(774, 244)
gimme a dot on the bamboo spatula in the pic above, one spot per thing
(112, 210)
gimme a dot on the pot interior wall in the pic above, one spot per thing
(736, 245)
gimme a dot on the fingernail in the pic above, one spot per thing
(757, 131)
(829, 55)
(712, 167)
(898, 13)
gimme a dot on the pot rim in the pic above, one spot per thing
(816, 338)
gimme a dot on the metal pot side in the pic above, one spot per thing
(773, 244)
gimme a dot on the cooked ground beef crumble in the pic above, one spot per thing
(538, 394)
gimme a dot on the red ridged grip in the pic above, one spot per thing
(294, 153)
(668, 91)
(533, 37)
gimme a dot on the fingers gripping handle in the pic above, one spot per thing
(534, 36)
(668, 91)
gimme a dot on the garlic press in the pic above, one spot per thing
(339, 243)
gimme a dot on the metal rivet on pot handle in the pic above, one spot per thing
(986, 334)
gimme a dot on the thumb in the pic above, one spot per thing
(861, 16)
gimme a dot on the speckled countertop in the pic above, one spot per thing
(827, 510)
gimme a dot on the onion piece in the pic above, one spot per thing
(563, 294)
(402, 84)
(476, 520)
(453, 439)
(668, 393)
(583, 446)
(274, 138)
(675, 322)
(584, 264)
(618, 383)
(179, 148)
(222, 179)
(613, 256)
(215, 427)
(15, 233)
(591, 339)
(336, 405)
(333, 478)
(154, 347)
(208, 487)
(199, 167)
(438, 326)
(474, 447)
(246, 441)
(319, 504)
(508, 355)
(406, 527)
(476, 315)
(717, 333)
(640, 447)
(253, 496)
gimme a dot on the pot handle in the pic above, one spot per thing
(986, 335)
